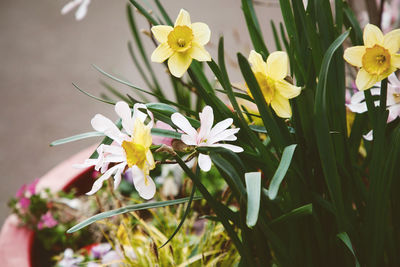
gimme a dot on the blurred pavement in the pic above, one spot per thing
(43, 52)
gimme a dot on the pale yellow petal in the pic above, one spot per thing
(277, 65)
(286, 89)
(257, 62)
(395, 60)
(161, 32)
(183, 18)
(178, 63)
(365, 80)
(199, 53)
(386, 74)
(391, 41)
(161, 53)
(281, 106)
(353, 55)
(372, 35)
(201, 33)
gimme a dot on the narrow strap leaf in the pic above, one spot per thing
(253, 187)
(344, 237)
(280, 173)
(76, 138)
(142, 206)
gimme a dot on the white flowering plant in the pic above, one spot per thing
(302, 186)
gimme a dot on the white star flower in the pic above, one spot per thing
(206, 135)
(131, 149)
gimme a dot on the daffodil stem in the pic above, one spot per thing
(382, 104)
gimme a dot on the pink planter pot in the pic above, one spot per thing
(16, 242)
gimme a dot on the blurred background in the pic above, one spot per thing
(42, 52)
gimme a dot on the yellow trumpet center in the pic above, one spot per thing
(376, 60)
(267, 86)
(180, 38)
(135, 154)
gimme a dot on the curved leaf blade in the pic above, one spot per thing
(253, 187)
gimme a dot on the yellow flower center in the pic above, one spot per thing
(180, 38)
(396, 97)
(376, 60)
(267, 86)
(135, 154)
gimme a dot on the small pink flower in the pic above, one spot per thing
(24, 202)
(47, 220)
(21, 191)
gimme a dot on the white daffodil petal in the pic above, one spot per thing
(393, 80)
(369, 136)
(125, 113)
(221, 126)
(358, 107)
(178, 63)
(199, 53)
(201, 33)
(117, 177)
(106, 126)
(372, 35)
(82, 10)
(394, 112)
(161, 32)
(182, 123)
(206, 121)
(143, 184)
(69, 6)
(161, 53)
(222, 135)
(183, 19)
(233, 148)
(277, 65)
(99, 182)
(204, 162)
(188, 140)
(115, 150)
(257, 62)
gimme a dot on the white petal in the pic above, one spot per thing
(144, 185)
(204, 162)
(82, 10)
(69, 6)
(221, 136)
(115, 150)
(220, 126)
(358, 107)
(182, 123)
(233, 148)
(117, 177)
(106, 126)
(206, 122)
(99, 182)
(141, 115)
(125, 113)
(369, 136)
(188, 140)
(393, 80)
(394, 112)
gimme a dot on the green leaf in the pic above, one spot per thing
(93, 96)
(166, 133)
(280, 173)
(253, 187)
(344, 237)
(76, 138)
(142, 206)
(143, 11)
(322, 132)
(298, 212)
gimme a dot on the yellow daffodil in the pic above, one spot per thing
(181, 43)
(377, 58)
(271, 76)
